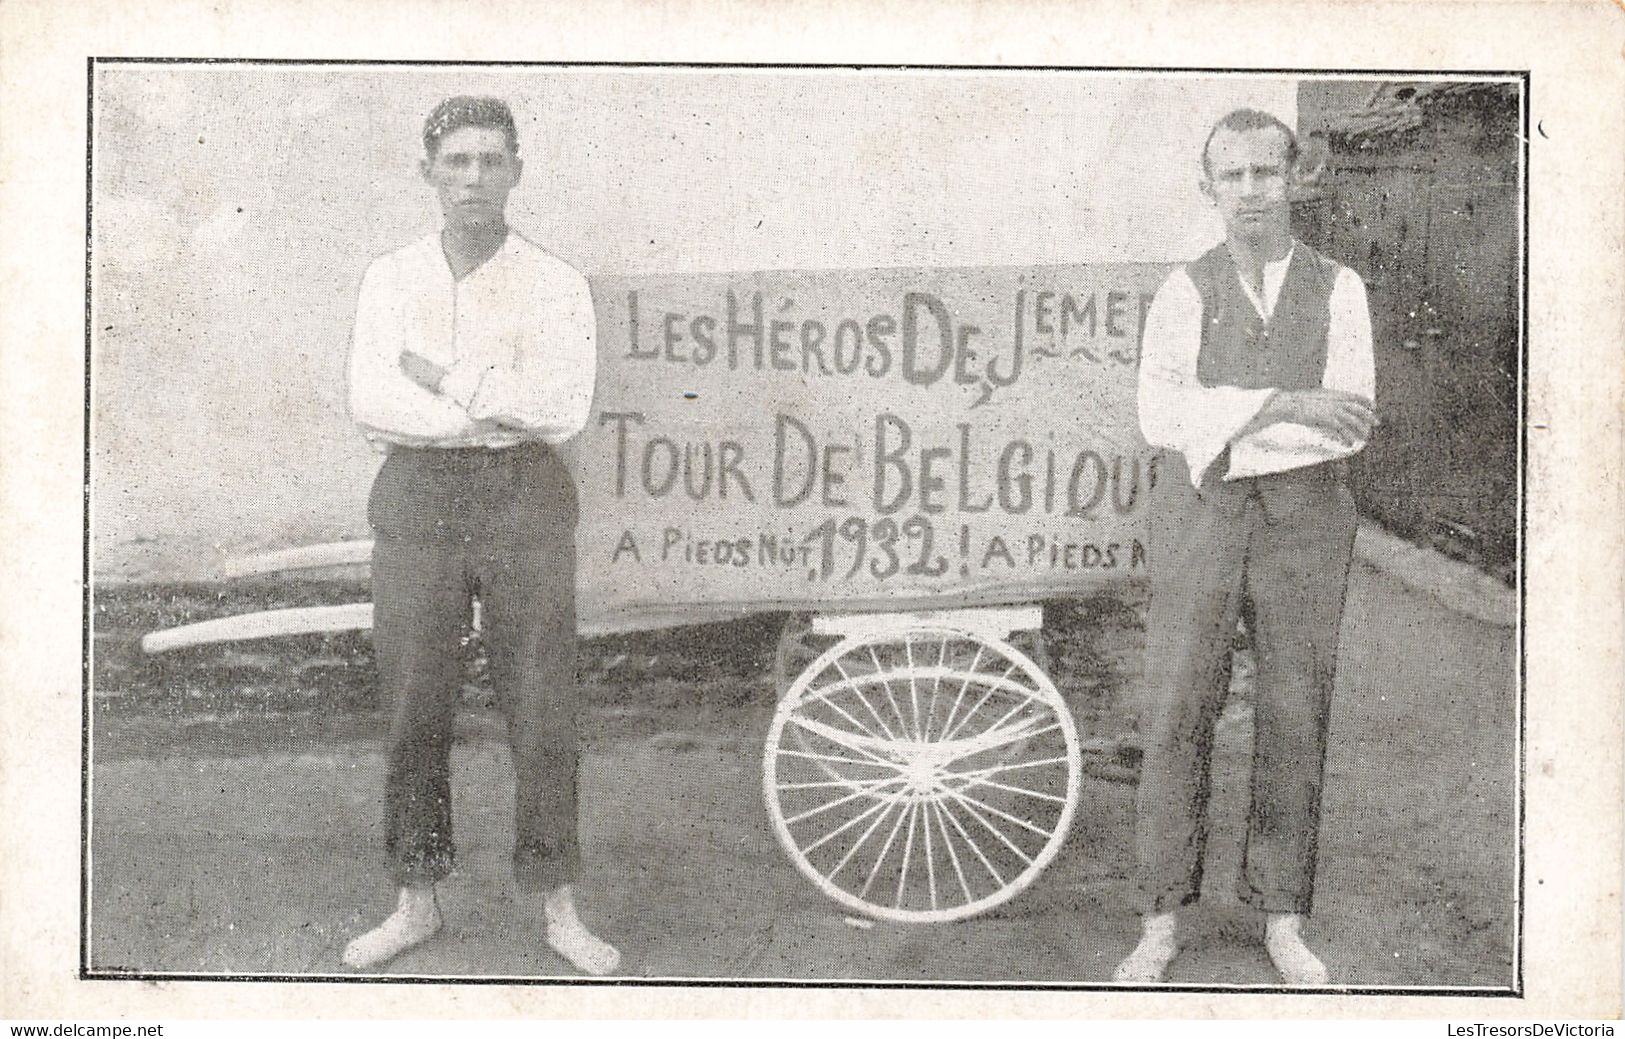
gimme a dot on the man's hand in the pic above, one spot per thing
(422, 371)
(1347, 416)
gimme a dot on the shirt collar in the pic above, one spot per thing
(433, 254)
(1274, 278)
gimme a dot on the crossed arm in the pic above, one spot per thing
(1264, 427)
(539, 388)
(1343, 414)
(463, 383)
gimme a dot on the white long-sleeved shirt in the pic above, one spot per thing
(516, 337)
(1179, 413)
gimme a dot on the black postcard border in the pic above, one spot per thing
(87, 973)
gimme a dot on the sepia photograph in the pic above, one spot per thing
(925, 526)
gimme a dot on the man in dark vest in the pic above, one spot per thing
(1256, 384)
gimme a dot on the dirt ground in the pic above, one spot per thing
(236, 809)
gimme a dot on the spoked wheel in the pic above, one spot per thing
(922, 775)
(799, 646)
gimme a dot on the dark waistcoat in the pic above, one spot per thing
(1239, 348)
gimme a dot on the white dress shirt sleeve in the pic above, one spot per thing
(1176, 411)
(384, 402)
(1350, 366)
(548, 391)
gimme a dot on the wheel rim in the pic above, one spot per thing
(924, 776)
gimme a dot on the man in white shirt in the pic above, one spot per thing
(473, 356)
(1257, 383)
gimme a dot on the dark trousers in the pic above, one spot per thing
(452, 524)
(1283, 543)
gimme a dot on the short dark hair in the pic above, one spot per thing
(1245, 120)
(454, 113)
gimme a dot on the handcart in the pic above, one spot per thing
(919, 766)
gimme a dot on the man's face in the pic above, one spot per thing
(473, 171)
(1247, 174)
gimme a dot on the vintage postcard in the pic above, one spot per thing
(992, 530)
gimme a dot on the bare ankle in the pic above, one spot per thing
(417, 898)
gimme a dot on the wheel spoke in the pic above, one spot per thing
(879, 818)
(845, 739)
(964, 803)
(857, 690)
(908, 849)
(824, 698)
(963, 685)
(875, 763)
(1018, 820)
(993, 770)
(975, 746)
(997, 877)
(878, 806)
(930, 866)
(936, 686)
(913, 690)
(845, 784)
(880, 670)
(991, 689)
(1031, 699)
(885, 849)
(1014, 790)
(840, 801)
(953, 856)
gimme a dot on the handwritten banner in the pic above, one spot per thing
(893, 439)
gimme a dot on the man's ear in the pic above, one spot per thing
(423, 168)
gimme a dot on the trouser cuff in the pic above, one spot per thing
(541, 871)
(1153, 903)
(1295, 902)
(419, 869)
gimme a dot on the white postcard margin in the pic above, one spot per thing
(1571, 911)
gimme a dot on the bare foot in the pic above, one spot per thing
(1158, 947)
(569, 937)
(415, 920)
(1292, 958)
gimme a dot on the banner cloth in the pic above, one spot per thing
(851, 440)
